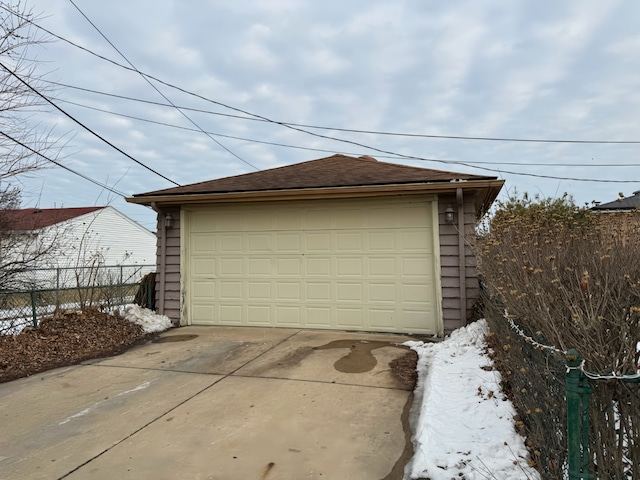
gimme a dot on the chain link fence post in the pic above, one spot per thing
(578, 391)
(34, 315)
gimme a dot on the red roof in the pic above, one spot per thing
(333, 171)
(37, 218)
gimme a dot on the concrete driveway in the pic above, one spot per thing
(215, 403)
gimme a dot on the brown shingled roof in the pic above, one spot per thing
(333, 171)
(37, 218)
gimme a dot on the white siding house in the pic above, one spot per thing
(105, 235)
(85, 239)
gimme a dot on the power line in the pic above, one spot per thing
(50, 102)
(95, 182)
(259, 117)
(285, 145)
(158, 90)
(397, 155)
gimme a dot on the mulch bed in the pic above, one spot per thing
(66, 339)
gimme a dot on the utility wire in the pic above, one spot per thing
(350, 130)
(258, 117)
(95, 182)
(158, 90)
(285, 145)
(399, 155)
(50, 102)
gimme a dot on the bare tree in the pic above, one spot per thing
(21, 246)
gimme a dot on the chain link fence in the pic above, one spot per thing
(45, 291)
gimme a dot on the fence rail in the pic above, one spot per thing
(44, 291)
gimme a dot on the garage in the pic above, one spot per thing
(355, 264)
(340, 242)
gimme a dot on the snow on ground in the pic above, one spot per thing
(147, 319)
(463, 426)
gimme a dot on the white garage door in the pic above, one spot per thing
(358, 264)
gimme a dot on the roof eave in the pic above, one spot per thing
(490, 189)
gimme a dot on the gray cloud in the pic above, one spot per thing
(510, 69)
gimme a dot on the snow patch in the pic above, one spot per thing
(463, 426)
(147, 319)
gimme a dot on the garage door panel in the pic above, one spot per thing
(203, 290)
(318, 243)
(416, 293)
(383, 318)
(382, 241)
(349, 267)
(349, 318)
(202, 243)
(318, 267)
(259, 291)
(383, 267)
(230, 314)
(414, 266)
(259, 315)
(204, 266)
(349, 242)
(349, 292)
(289, 266)
(231, 243)
(413, 320)
(319, 219)
(288, 316)
(358, 265)
(231, 266)
(318, 317)
(383, 293)
(288, 242)
(419, 239)
(231, 290)
(259, 266)
(288, 219)
(289, 291)
(350, 218)
(203, 314)
(257, 221)
(227, 222)
(318, 291)
(259, 243)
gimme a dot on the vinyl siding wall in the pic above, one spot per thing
(172, 267)
(450, 261)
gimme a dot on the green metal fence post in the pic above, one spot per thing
(577, 394)
(32, 294)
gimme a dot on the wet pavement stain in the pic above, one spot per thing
(397, 472)
(359, 359)
(174, 338)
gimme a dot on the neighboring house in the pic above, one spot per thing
(86, 236)
(620, 204)
(336, 243)
(622, 214)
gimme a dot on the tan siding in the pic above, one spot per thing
(449, 260)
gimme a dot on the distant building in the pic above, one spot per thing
(620, 204)
(85, 238)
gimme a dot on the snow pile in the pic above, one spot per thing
(462, 424)
(147, 319)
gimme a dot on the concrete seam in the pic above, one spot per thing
(139, 429)
(172, 408)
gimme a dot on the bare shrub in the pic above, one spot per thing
(570, 278)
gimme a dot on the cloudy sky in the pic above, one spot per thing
(479, 68)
